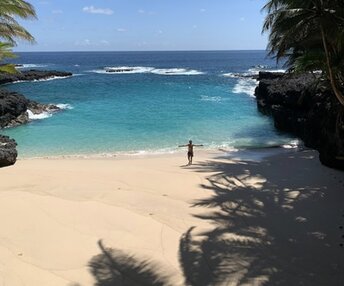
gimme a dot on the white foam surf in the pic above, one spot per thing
(176, 71)
(293, 144)
(255, 71)
(39, 116)
(252, 72)
(44, 79)
(246, 86)
(128, 70)
(122, 70)
(233, 75)
(211, 98)
(51, 78)
(65, 106)
(139, 69)
(47, 114)
(28, 66)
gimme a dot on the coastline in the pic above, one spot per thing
(105, 114)
(155, 218)
(175, 152)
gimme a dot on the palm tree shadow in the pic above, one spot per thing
(116, 268)
(266, 230)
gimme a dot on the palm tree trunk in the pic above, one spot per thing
(335, 89)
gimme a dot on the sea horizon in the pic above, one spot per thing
(139, 51)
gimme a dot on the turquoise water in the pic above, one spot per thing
(165, 99)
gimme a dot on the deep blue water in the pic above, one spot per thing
(167, 99)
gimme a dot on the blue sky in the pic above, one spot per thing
(146, 25)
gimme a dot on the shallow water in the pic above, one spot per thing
(150, 102)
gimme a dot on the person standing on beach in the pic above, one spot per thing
(190, 153)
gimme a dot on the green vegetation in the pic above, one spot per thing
(310, 35)
(11, 30)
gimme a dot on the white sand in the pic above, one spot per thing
(274, 222)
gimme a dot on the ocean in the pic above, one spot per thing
(151, 103)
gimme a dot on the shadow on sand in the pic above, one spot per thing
(267, 230)
(114, 267)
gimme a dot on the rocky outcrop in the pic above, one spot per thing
(13, 112)
(14, 109)
(8, 152)
(269, 75)
(305, 107)
(31, 75)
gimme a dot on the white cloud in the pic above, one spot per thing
(94, 10)
(142, 44)
(57, 12)
(141, 11)
(121, 30)
(88, 43)
(85, 42)
(203, 10)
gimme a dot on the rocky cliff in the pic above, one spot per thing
(304, 106)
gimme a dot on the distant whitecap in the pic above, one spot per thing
(51, 78)
(211, 98)
(255, 71)
(139, 69)
(64, 106)
(28, 66)
(232, 75)
(176, 71)
(127, 70)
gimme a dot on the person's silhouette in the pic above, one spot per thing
(190, 153)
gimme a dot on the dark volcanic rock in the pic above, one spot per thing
(269, 75)
(302, 106)
(38, 108)
(31, 75)
(14, 107)
(8, 152)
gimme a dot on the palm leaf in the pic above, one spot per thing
(8, 68)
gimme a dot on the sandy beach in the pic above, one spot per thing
(154, 221)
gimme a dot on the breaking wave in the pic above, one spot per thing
(64, 106)
(176, 71)
(246, 84)
(44, 79)
(28, 66)
(138, 69)
(51, 78)
(42, 115)
(233, 75)
(47, 114)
